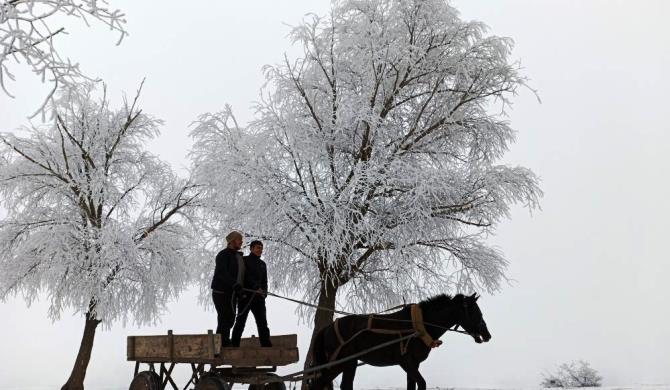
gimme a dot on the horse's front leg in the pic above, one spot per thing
(348, 375)
(413, 376)
(411, 383)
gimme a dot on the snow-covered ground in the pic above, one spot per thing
(631, 387)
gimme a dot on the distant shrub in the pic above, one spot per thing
(573, 374)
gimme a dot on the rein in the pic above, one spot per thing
(303, 303)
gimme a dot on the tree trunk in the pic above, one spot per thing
(76, 380)
(323, 317)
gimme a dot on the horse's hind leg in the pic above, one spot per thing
(411, 383)
(348, 375)
(413, 376)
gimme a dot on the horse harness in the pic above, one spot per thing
(417, 327)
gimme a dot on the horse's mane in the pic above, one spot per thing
(437, 302)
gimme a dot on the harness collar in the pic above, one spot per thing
(418, 325)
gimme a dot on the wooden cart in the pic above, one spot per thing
(212, 368)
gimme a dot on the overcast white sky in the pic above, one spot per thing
(590, 269)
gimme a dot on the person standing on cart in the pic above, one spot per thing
(227, 285)
(256, 279)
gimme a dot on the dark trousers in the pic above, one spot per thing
(255, 304)
(224, 302)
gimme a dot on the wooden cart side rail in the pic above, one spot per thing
(197, 347)
(172, 346)
(236, 357)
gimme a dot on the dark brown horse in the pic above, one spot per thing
(350, 335)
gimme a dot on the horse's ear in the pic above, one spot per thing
(475, 297)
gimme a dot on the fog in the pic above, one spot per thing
(588, 271)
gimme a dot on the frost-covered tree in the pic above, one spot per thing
(573, 374)
(94, 222)
(372, 162)
(29, 31)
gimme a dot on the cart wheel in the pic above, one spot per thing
(269, 386)
(275, 386)
(212, 382)
(146, 380)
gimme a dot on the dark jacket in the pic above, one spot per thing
(225, 272)
(255, 274)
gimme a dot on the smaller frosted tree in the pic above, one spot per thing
(29, 31)
(94, 221)
(573, 374)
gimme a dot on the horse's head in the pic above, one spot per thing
(471, 318)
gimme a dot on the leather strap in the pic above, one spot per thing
(417, 324)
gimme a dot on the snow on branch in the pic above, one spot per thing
(29, 34)
(93, 219)
(373, 161)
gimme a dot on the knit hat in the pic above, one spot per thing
(234, 235)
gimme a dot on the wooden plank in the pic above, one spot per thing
(195, 347)
(182, 346)
(170, 344)
(239, 357)
(284, 341)
(210, 350)
(150, 346)
(252, 357)
(130, 350)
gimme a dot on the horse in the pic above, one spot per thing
(416, 327)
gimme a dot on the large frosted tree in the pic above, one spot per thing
(372, 163)
(30, 31)
(94, 222)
